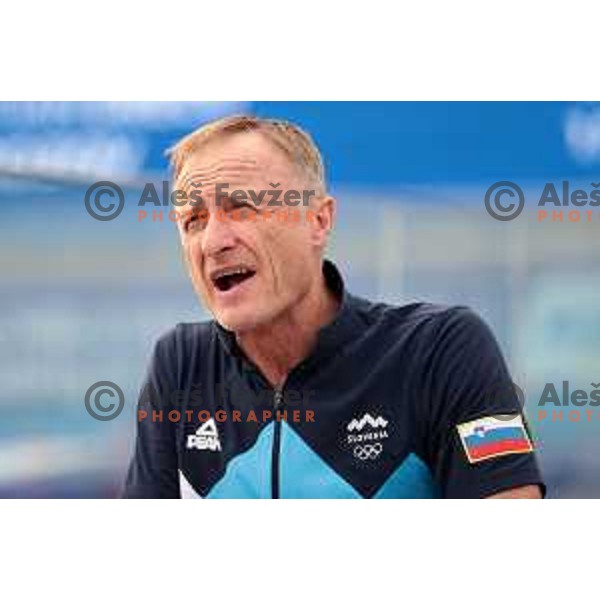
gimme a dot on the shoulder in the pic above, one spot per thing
(183, 341)
(425, 318)
(427, 331)
(187, 333)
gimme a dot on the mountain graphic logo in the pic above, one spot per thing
(367, 419)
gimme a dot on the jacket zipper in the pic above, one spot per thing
(277, 405)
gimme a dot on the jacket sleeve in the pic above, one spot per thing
(479, 441)
(153, 469)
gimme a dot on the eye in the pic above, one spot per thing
(191, 223)
(240, 204)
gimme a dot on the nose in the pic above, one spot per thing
(218, 235)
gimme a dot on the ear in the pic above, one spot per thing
(324, 219)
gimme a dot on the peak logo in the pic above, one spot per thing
(205, 438)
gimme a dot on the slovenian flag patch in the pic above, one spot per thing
(494, 436)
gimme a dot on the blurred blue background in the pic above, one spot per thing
(83, 301)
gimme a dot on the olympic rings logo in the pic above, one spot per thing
(368, 451)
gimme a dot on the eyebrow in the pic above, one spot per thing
(188, 210)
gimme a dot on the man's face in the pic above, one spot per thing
(250, 270)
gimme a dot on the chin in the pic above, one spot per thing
(237, 322)
(240, 322)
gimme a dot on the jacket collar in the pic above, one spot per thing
(330, 338)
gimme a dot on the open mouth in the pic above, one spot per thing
(227, 279)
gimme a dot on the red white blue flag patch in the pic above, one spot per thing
(494, 436)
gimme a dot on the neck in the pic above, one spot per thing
(279, 346)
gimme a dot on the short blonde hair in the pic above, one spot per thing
(296, 143)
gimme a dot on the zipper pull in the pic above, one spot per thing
(278, 399)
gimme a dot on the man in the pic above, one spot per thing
(298, 388)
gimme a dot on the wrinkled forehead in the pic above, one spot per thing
(240, 160)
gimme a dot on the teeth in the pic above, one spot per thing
(232, 271)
